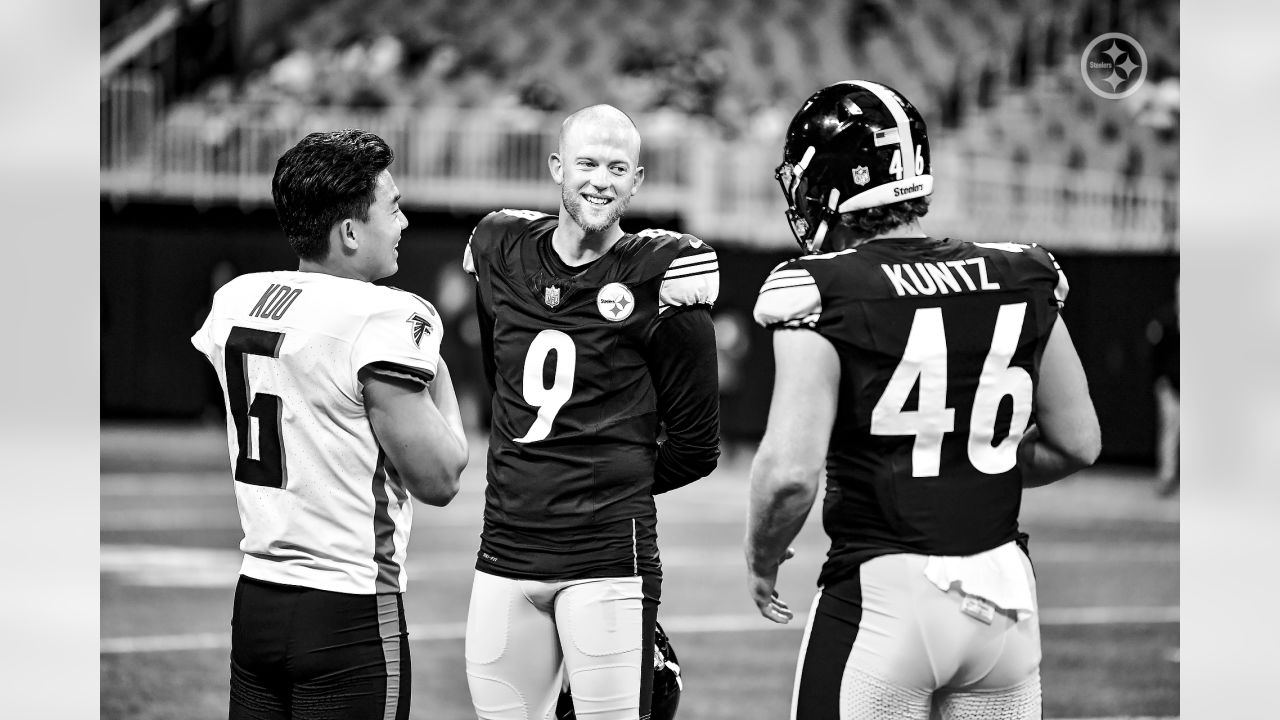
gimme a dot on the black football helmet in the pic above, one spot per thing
(667, 684)
(853, 145)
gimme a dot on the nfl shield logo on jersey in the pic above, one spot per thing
(551, 296)
(615, 302)
(861, 175)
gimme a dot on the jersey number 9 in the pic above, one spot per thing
(548, 400)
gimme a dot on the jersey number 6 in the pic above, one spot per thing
(925, 359)
(257, 415)
(548, 400)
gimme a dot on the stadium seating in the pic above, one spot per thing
(996, 79)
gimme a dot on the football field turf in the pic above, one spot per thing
(1105, 550)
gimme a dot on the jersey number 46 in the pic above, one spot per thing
(925, 361)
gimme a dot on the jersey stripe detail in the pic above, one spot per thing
(703, 264)
(523, 214)
(389, 631)
(790, 298)
(635, 551)
(780, 286)
(384, 531)
(1063, 287)
(709, 256)
(780, 280)
(691, 272)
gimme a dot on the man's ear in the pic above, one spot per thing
(556, 166)
(347, 233)
(639, 179)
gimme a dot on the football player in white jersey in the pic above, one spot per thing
(339, 409)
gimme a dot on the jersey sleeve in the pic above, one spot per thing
(682, 360)
(401, 338)
(480, 239)
(789, 297)
(1044, 257)
(201, 339)
(692, 277)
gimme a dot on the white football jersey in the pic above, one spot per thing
(317, 503)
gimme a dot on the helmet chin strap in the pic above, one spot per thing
(833, 202)
(818, 236)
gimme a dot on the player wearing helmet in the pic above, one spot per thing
(933, 379)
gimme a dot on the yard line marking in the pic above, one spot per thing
(680, 624)
(176, 484)
(152, 565)
(1114, 615)
(200, 483)
(164, 643)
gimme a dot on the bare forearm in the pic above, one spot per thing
(446, 401)
(780, 503)
(427, 454)
(1043, 462)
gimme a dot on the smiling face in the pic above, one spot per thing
(376, 255)
(597, 167)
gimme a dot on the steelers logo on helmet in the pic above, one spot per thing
(853, 145)
(615, 302)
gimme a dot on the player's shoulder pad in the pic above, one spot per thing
(1062, 287)
(690, 272)
(491, 229)
(399, 301)
(789, 297)
(409, 316)
(1036, 256)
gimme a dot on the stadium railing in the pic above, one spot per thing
(468, 160)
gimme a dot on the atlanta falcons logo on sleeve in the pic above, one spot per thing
(420, 326)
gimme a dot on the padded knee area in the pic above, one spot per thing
(605, 693)
(496, 700)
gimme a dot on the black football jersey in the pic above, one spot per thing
(575, 419)
(940, 344)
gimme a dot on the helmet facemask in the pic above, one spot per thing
(808, 218)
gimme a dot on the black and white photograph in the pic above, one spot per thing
(651, 360)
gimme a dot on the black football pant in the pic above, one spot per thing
(305, 654)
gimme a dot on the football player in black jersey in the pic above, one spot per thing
(933, 379)
(596, 342)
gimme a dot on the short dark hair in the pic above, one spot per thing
(863, 224)
(326, 177)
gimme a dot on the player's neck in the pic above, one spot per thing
(575, 246)
(904, 231)
(328, 267)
